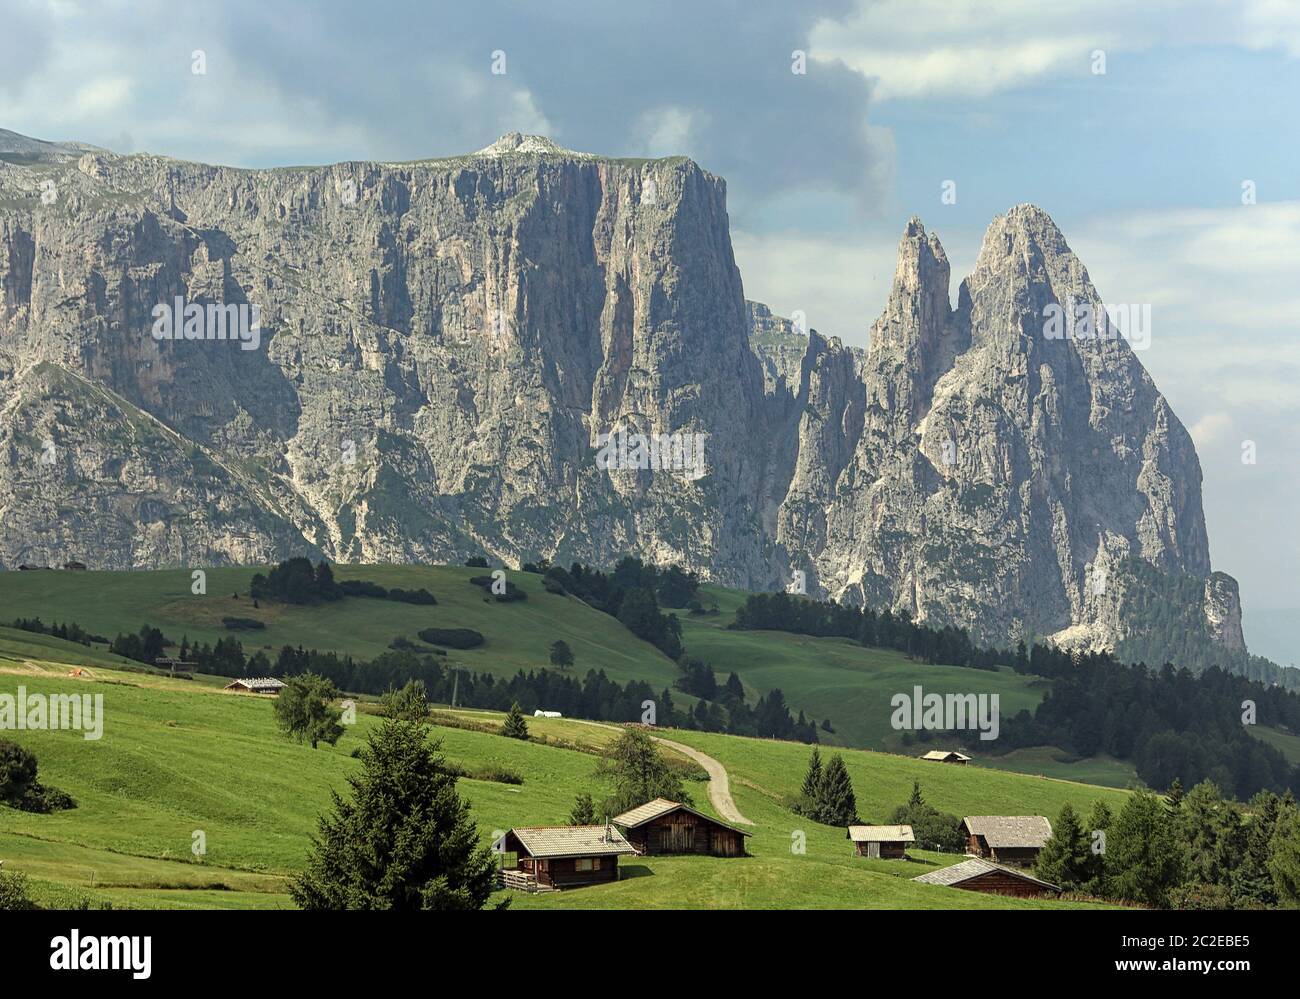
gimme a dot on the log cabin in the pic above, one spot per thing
(550, 857)
(881, 842)
(257, 685)
(1006, 839)
(990, 878)
(662, 826)
(946, 756)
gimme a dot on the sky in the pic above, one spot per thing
(1141, 128)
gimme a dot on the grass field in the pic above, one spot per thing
(178, 758)
(519, 634)
(838, 679)
(823, 677)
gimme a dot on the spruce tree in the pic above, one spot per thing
(402, 840)
(1145, 858)
(515, 727)
(584, 811)
(810, 793)
(836, 805)
(1099, 821)
(1064, 859)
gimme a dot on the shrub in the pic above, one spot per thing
(455, 638)
(15, 893)
(242, 623)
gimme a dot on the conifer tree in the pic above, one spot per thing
(403, 839)
(515, 727)
(1144, 855)
(1096, 829)
(584, 811)
(1064, 859)
(836, 803)
(810, 793)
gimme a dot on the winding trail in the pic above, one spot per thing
(719, 782)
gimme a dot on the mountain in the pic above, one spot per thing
(433, 354)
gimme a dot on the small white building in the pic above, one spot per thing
(539, 713)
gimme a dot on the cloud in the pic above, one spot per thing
(295, 82)
(974, 48)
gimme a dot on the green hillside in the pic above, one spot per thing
(179, 757)
(519, 633)
(826, 678)
(839, 679)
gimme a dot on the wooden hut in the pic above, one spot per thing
(946, 756)
(549, 857)
(1006, 839)
(663, 826)
(882, 842)
(993, 879)
(257, 685)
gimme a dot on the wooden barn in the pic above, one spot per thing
(882, 842)
(946, 756)
(1006, 839)
(663, 826)
(257, 685)
(549, 857)
(990, 878)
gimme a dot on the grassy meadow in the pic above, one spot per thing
(179, 757)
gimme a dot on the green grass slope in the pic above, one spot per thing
(178, 758)
(519, 634)
(838, 679)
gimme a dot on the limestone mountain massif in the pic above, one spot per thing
(443, 342)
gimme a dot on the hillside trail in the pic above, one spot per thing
(719, 782)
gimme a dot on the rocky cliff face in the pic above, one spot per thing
(445, 347)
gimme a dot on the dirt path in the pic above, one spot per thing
(719, 783)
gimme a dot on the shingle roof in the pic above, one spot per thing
(642, 814)
(967, 869)
(572, 841)
(943, 754)
(881, 834)
(257, 681)
(1010, 830)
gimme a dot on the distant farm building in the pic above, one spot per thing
(258, 685)
(551, 857)
(75, 566)
(882, 842)
(539, 713)
(946, 756)
(1006, 839)
(177, 665)
(990, 878)
(663, 826)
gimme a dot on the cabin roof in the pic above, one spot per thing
(943, 754)
(1010, 830)
(571, 841)
(659, 807)
(973, 868)
(881, 834)
(256, 681)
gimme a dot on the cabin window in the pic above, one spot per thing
(586, 864)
